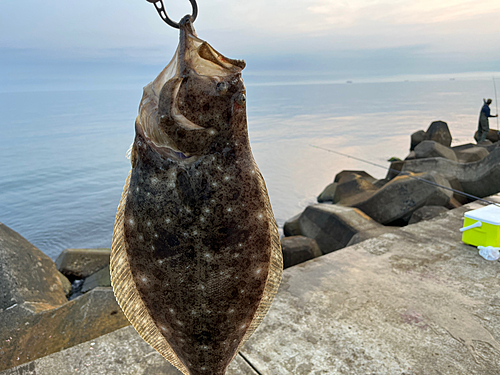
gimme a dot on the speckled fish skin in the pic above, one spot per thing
(196, 250)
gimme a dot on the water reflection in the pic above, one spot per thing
(63, 164)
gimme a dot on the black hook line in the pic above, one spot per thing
(160, 8)
(400, 173)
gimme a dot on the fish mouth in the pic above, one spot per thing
(193, 57)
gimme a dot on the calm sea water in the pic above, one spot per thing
(63, 159)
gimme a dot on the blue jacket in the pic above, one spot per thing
(486, 110)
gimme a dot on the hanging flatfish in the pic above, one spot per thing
(196, 257)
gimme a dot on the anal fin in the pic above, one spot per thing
(126, 293)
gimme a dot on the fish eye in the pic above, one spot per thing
(241, 99)
(222, 87)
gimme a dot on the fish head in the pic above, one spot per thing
(202, 102)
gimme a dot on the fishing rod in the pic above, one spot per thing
(496, 99)
(409, 175)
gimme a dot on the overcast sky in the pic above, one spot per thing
(408, 36)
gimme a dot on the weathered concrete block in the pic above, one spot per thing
(100, 278)
(492, 136)
(26, 274)
(463, 146)
(439, 132)
(403, 195)
(471, 154)
(480, 178)
(485, 143)
(371, 233)
(489, 146)
(411, 155)
(81, 263)
(432, 149)
(36, 318)
(394, 169)
(332, 226)
(292, 227)
(328, 193)
(427, 213)
(456, 185)
(351, 186)
(298, 249)
(348, 175)
(66, 284)
(453, 203)
(380, 183)
(416, 138)
(32, 331)
(122, 352)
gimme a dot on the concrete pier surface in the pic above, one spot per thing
(413, 301)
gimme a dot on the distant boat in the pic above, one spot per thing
(349, 82)
(452, 79)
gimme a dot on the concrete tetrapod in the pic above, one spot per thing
(416, 138)
(26, 274)
(353, 186)
(481, 178)
(333, 226)
(328, 193)
(427, 213)
(81, 263)
(438, 131)
(470, 154)
(432, 149)
(298, 249)
(36, 319)
(399, 198)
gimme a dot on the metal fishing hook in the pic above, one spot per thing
(160, 8)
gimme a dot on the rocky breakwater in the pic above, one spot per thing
(45, 308)
(356, 206)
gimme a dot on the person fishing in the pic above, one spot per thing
(483, 126)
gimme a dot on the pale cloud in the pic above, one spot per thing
(305, 16)
(312, 25)
(241, 27)
(339, 13)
